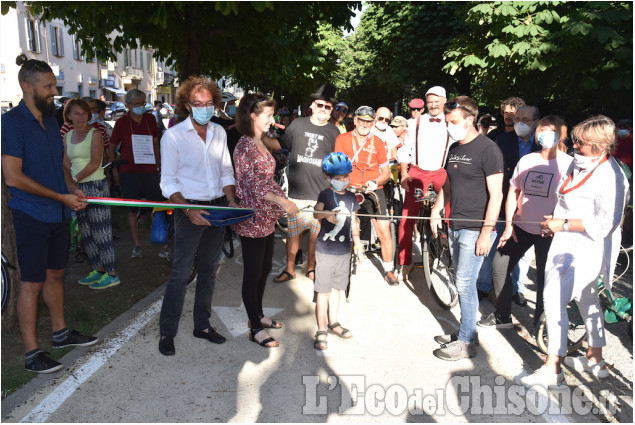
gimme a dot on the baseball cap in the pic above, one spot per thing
(342, 103)
(416, 103)
(436, 90)
(398, 121)
(365, 113)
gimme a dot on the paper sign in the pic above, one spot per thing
(142, 149)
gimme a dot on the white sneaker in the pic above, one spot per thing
(583, 364)
(544, 377)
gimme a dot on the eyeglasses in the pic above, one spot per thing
(323, 106)
(201, 105)
(341, 109)
(454, 105)
(385, 119)
(416, 109)
(577, 141)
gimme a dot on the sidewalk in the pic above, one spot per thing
(387, 368)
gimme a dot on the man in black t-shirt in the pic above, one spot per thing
(474, 188)
(308, 140)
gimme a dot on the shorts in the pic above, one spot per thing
(141, 185)
(369, 207)
(298, 223)
(331, 271)
(41, 246)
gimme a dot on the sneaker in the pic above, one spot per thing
(495, 321)
(41, 363)
(75, 339)
(94, 276)
(406, 269)
(446, 339)
(545, 378)
(455, 350)
(164, 253)
(136, 252)
(390, 278)
(106, 281)
(583, 364)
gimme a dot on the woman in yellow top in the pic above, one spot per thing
(83, 150)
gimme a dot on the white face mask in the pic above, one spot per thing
(339, 185)
(584, 162)
(522, 129)
(457, 132)
(381, 126)
(548, 139)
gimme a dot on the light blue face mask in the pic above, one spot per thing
(139, 110)
(203, 114)
(339, 185)
(548, 139)
(93, 118)
(231, 111)
(622, 133)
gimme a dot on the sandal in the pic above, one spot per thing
(273, 325)
(320, 344)
(285, 276)
(252, 337)
(345, 332)
(309, 272)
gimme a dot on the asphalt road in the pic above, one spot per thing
(385, 373)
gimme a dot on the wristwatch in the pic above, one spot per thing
(75, 179)
(565, 225)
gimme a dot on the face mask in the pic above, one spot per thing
(548, 139)
(522, 129)
(584, 162)
(203, 114)
(139, 110)
(231, 111)
(622, 133)
(381, 126)
(457, 132)
(339, 185)
(94, 118)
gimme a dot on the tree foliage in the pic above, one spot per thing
(268, 45)
(572, 58)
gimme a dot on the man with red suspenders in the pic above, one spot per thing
(421, 160)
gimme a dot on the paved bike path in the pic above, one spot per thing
(387, 368)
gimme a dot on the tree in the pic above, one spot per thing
(573, 58)
(266, 45)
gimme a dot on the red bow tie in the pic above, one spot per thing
(435, 119)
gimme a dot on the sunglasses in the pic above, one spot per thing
(385, 119)
(416, 109)
(577, 141)
(323, 106)
(454, 105)
(341, 109)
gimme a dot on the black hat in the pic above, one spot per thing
(325, 92)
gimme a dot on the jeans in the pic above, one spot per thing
(191, 240)
(519, 273)
(466, 266)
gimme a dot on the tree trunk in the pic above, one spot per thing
(9, 250)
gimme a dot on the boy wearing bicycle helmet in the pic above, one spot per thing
(333, 251)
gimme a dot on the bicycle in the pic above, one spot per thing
(614, 309)
(280, 177)
(6, 282)
(437, 261)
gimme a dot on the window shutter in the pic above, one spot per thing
(53, 41)
(28, 34)
(39, 36)
(61, 49)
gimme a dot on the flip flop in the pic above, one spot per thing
(283, 277)
(309, 272)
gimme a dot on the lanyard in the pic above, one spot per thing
(564, 190)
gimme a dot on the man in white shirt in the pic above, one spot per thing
(421, 160)
(196, 169)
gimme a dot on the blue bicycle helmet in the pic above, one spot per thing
(337, 164)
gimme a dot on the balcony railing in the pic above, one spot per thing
(134, 73)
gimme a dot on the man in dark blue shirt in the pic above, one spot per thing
(32, 153)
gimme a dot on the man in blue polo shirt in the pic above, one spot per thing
(32, 153)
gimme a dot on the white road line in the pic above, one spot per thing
(63, 391)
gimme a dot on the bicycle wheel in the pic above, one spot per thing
(438, 269)
(394, 233)
(6, 283)
(576, 333)
(282, 225)
(228, 243)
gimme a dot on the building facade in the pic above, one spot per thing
(76, 75)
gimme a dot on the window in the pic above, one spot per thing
(141, 61)
(77, 48)
(126, 60)
(34, 38)
(57, 41)
(91, 60)
(148, 61)
(92, 93)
